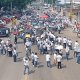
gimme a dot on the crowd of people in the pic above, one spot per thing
(8, 49)
(48, 44)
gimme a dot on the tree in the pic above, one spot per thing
(19, 4)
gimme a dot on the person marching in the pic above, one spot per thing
(48, 59)
(32, 58)
(14, 55)
(35, 60)
(59, 57)
(76, 45)
(10, 51)
(15, 39)
(26, 65)
(67, 50)
(55, 57)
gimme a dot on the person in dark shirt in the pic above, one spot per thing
(15, 39)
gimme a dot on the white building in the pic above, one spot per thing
(68, 1)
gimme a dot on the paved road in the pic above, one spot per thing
(14, 71)
(70, 70)
(8, 69)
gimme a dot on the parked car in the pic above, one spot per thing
(6, 19)
(4, 32)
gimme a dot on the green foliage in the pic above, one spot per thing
(15, 3)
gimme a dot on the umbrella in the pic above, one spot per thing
(44, 16)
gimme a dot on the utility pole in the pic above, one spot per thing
(71, 3)
(71, 9)
(65, 8)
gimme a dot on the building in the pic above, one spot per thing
(69, 1)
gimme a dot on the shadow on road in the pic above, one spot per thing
(41, 65)
(19, 59)
(64, 58)
(31, 71)
(53, 65)
(19, 52)
(19, 42)
(70, 58)
(63, 66)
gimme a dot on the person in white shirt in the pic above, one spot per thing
(28, 45)
(1, 49)
(41, 48)
(67, 50)
(59, 40)
(44, 49)
(9, 51)
(7, 42)
(5, 48)
(32, 58)
(48, 47)
(59, 57)
(61, 52)
(56, 48)
(2, 42)
(55, 57)
(76, 45)
(43, 35)
(70, 44)
(35, 60)
(51, 47)
(48, 58)
(14, 55)
(38, 43)
(64, 42)
(59, 28)
(26, 65)
(2, 45)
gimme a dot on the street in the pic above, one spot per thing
(14, 71)
(10, 70)
(69, 71)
